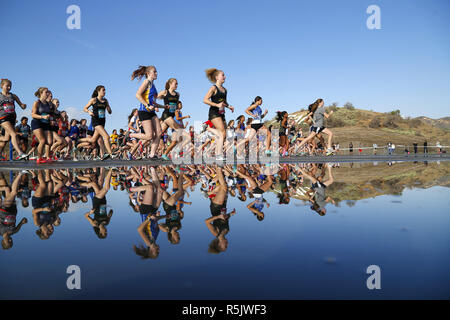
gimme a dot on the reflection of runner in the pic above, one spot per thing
(8, 211)
(218, 223)
(257, 206)
(318, 197)
(99, 208)
(149, 228)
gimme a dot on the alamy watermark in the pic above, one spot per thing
(374, 281)
(74, 280)
(374, 20)
(74, 20)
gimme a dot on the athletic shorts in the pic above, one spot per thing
(98, 122)
(257, 126)
(316, 129)
(147, 209)
(214, 113)
(38, 124)
(11, 118)
(145, 115)
(166, 115)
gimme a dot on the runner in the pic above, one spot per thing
(147, 96)
(318, 126)
(8, 117)
(172, 106)
(99, 106)
(40, 124)
(257, 125)
(216, 98)
(24, 132)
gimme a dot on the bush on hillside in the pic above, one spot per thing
(391, 122)
(349, 106)
(375, 122)
(334, 122)
(414, 123)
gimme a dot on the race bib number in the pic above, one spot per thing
(9, 220)
(101, 113)
(102, 210)
(222, 110)
(172, 107)
(44, 120)
(9, 107)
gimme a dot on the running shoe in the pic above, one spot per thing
(329, 152)
(106, 156)
(165, 157)
(41, 160)
(49, 160)
(220, 158)
(22, 156)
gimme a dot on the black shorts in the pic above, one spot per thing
(318, 184)
(316, 129)
(258, 190)
(11, 118)
(98, 122)
(145, 115)
(214, 113)
(38, 124)
(23, 139)
(147, 209)
(166, 115)
(257, 126)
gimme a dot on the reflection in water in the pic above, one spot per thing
(241, 212)
(150, 187)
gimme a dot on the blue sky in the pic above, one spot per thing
(288, 52)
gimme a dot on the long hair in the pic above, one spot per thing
(140, 72)
(97, 89)
(169, 82)
(212, 73)
(39, 91)
(131, 114)
(258, 98)
(280, 115)
(313, 107)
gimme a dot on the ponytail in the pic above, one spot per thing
(212, 73)
(97, 89)
(39, 91)
(169, 82)
(258, 98)
(140, 72)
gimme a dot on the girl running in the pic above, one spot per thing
(41, 122)
(99, 106)
(318, 114)
(282, 117)
(8, 116)
(255, 112)
(147, 96)
(216, 98)
(171, 104)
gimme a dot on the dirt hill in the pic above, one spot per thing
(363, 127)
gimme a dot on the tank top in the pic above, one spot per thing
(172, 102)
(258, 113)
(219, 97)
(43, 109)
(99, 108)
(180, 122)
(149, 96)
(6, 105)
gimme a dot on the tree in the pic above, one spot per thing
(349, 106)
